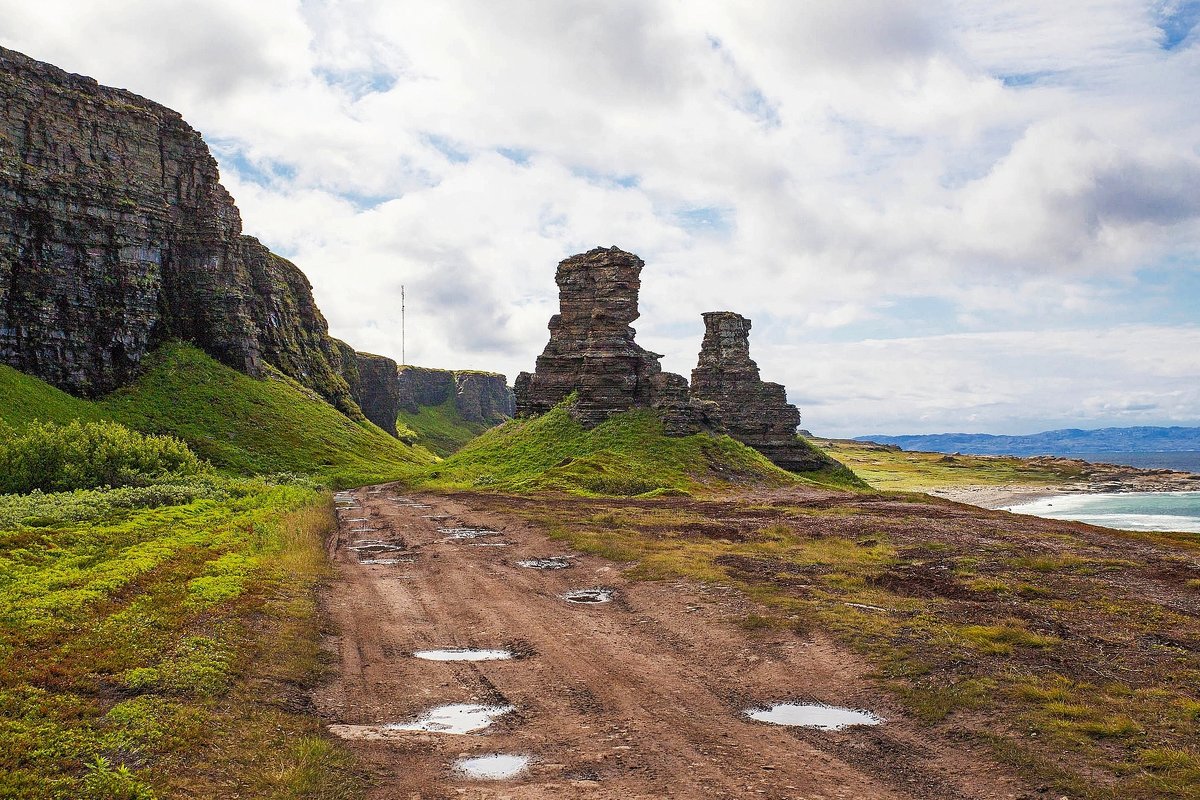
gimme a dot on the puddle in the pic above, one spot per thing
(363, 530)
(553, 562)
(359, 519)
(490, 544)
(386, 562)
(496, 767)
(375, 547)
(435, 517)
(455, 718)
(813, 715)
(467, 533)
(588, 595)
(463, 654)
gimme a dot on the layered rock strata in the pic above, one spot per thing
(592, 350)
(116, 235)
(746, 407)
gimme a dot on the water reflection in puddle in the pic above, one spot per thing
(553, 562)
(496, 767)
(455, 718)
(467, 533)
(463, 654)
(598, 595)
(386, 562)
(813, 715)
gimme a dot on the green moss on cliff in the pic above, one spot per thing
(626, 455)
(440, 428)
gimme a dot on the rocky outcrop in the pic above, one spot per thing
(423, 386)
(378, 390)
(116, 235)
(483, 397)
(591, 349)
(480, 397)
(592, 353)
(749, 409)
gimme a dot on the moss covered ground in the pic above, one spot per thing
(155, 642)
(889, 468)
(626, 455)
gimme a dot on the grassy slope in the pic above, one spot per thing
(169, 640)
(626, 455)
(241, 424)
(440, 429)
(24, 398)
(897, 470)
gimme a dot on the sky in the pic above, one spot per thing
(941, 215)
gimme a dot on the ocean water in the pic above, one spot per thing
(1183, 460)
(1130, 511)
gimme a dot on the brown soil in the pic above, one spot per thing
(638, 698)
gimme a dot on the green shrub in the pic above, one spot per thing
(54, 458)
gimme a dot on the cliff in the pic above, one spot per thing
(479, 397)
(116, 236)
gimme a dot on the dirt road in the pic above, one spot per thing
(640, 697)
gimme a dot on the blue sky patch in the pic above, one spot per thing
(599, 178)
(357, 83)
(517, 155)
(705, 220)
(452, 151)
(1176, 20)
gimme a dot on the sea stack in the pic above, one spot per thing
(591, 349)
(746, 407)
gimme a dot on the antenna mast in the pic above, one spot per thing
(403, 357)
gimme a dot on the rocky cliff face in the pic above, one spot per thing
(591, 349)
(749, 409)
(481, 397)
(116, 234)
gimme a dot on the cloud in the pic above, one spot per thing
(845, 172)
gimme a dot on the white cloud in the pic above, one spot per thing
(811, 165)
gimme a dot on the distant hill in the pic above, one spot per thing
(1069, 441)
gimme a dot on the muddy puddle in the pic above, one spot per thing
(813, 715)
(359, 519)
(375, 547)
(386, 562)
(588, 596)
(551, 562)
(496, 767)
(467, 533)
(463, 654)
(459, 718)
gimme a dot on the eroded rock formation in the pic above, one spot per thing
(749, 409)
(591, 349)
(116, 234)
(592, 352)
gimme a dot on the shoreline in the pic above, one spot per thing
(1000, 497)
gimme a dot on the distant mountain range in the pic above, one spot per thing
(1070, 441)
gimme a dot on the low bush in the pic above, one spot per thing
(84, 455)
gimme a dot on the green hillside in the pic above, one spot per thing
(440, 429)
(626, 455)
(24, 398)
(240, 424)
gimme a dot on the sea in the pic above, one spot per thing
(1129, 511)
(1182, 460)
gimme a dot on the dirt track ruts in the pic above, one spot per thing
(638, 698)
